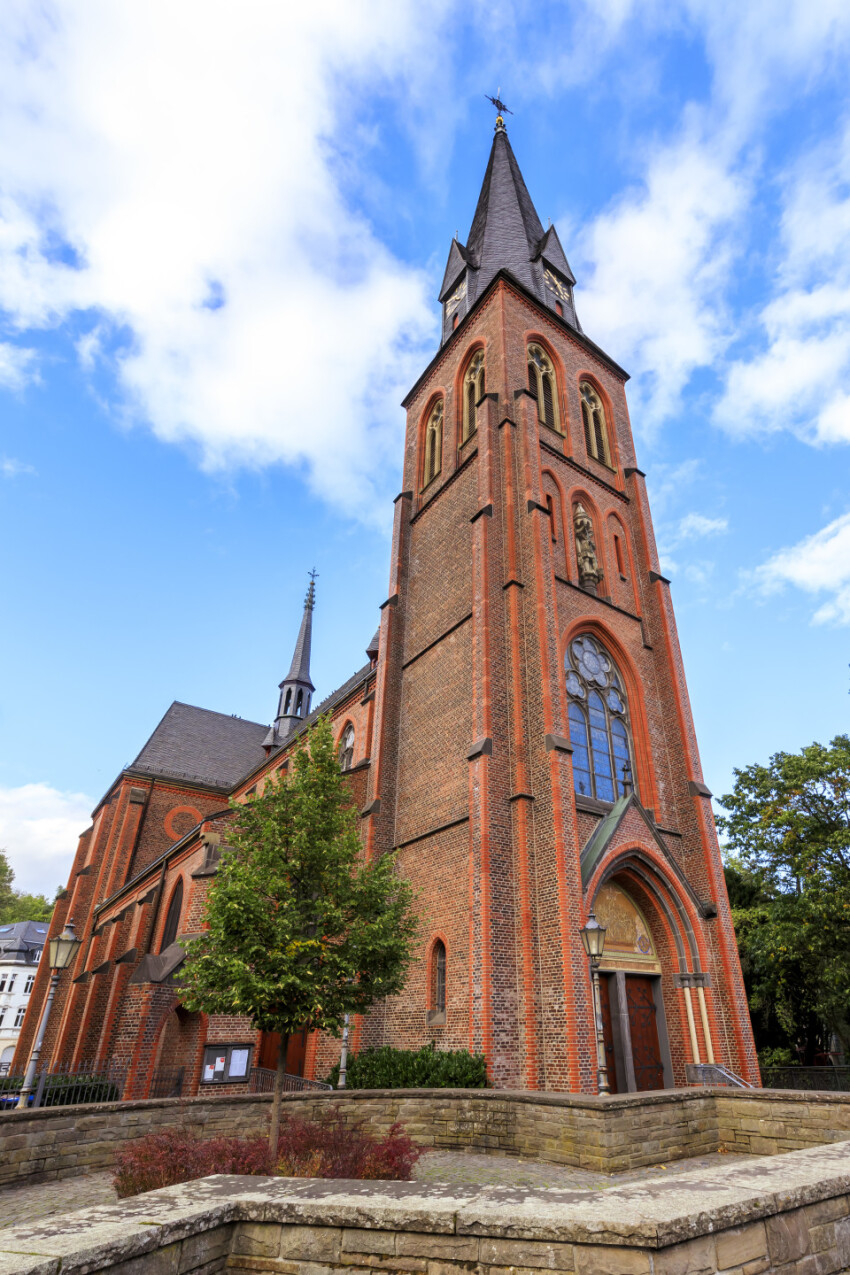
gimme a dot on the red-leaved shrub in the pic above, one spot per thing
(329, 1148)
(323, 1148)
(175, 1155)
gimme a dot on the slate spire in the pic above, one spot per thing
(506, 234)
(296, 688)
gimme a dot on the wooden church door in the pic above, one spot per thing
(608, 1032)
(643, 1028)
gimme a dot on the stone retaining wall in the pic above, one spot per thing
(605, 1134)
(789, 1214)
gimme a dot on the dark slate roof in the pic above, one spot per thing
(299, 670)
(202, 746)
(21, 939)
(507, 234)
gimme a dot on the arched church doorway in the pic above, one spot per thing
(637, 1050)
(176, 1054)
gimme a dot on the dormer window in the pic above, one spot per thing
(454, 302)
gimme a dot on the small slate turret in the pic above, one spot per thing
(296, 689)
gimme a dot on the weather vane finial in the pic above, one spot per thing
(500, 107)
(310, 600)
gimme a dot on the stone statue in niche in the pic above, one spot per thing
(589, 570)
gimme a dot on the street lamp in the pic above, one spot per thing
(343, 1055)
(593, 938)
(61, 952)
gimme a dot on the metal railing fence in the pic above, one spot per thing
(167, 1082)
(64, 1085)
(835, 1079)
(262, 1081)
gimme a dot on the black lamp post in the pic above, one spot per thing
(61, 952)
(593, 938)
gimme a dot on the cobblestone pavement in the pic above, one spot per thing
(47, 1199)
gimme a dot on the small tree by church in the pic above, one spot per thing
(301, 930)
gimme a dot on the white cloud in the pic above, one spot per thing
(818, 564)
(661, 257)
(175, 175)
(797, 380)
(17, 366)
(11, 468)
(39, 829)
(697, 526)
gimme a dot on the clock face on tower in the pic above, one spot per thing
(556, 285)
(457, 296)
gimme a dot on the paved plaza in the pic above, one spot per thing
(34, 1202)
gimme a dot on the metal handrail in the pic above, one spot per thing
(263, 1078)
(715, 1074)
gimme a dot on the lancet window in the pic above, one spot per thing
(599, 723)
(433, 443)
(595, 425)
(438, 977)
(473, 392)
(346, 748)
(543, 385)
(172, 920)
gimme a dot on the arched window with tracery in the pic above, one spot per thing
(172, 920)
(438, 977)
(543, 385)
(595, 425)
(473, 392)
(599, 722)
(346, 748)
(433, 443)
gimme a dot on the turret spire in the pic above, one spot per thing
(506, 234)
(296, 688)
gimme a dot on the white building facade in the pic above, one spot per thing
(21, 945)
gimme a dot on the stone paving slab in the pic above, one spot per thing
(41, 1200)
(649, 1215)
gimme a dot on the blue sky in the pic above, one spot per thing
(222, 233)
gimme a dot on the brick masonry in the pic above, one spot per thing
(607, 1135)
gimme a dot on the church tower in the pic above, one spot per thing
(534, 756)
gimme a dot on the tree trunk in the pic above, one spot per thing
(274, 1131)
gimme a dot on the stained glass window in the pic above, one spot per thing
(346, 749)
(599, 723)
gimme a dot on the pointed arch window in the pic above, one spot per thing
(172, 920)
(433, 444)
(543, 386)
(595, 425)
(600, 732)
(438, 978)
(473, 392)
(299, 703)
(287, 704)
(346, 748)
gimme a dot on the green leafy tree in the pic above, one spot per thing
(301, 930)
(788, 871)
(15, 905)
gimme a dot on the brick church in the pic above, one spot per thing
(520, 734)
